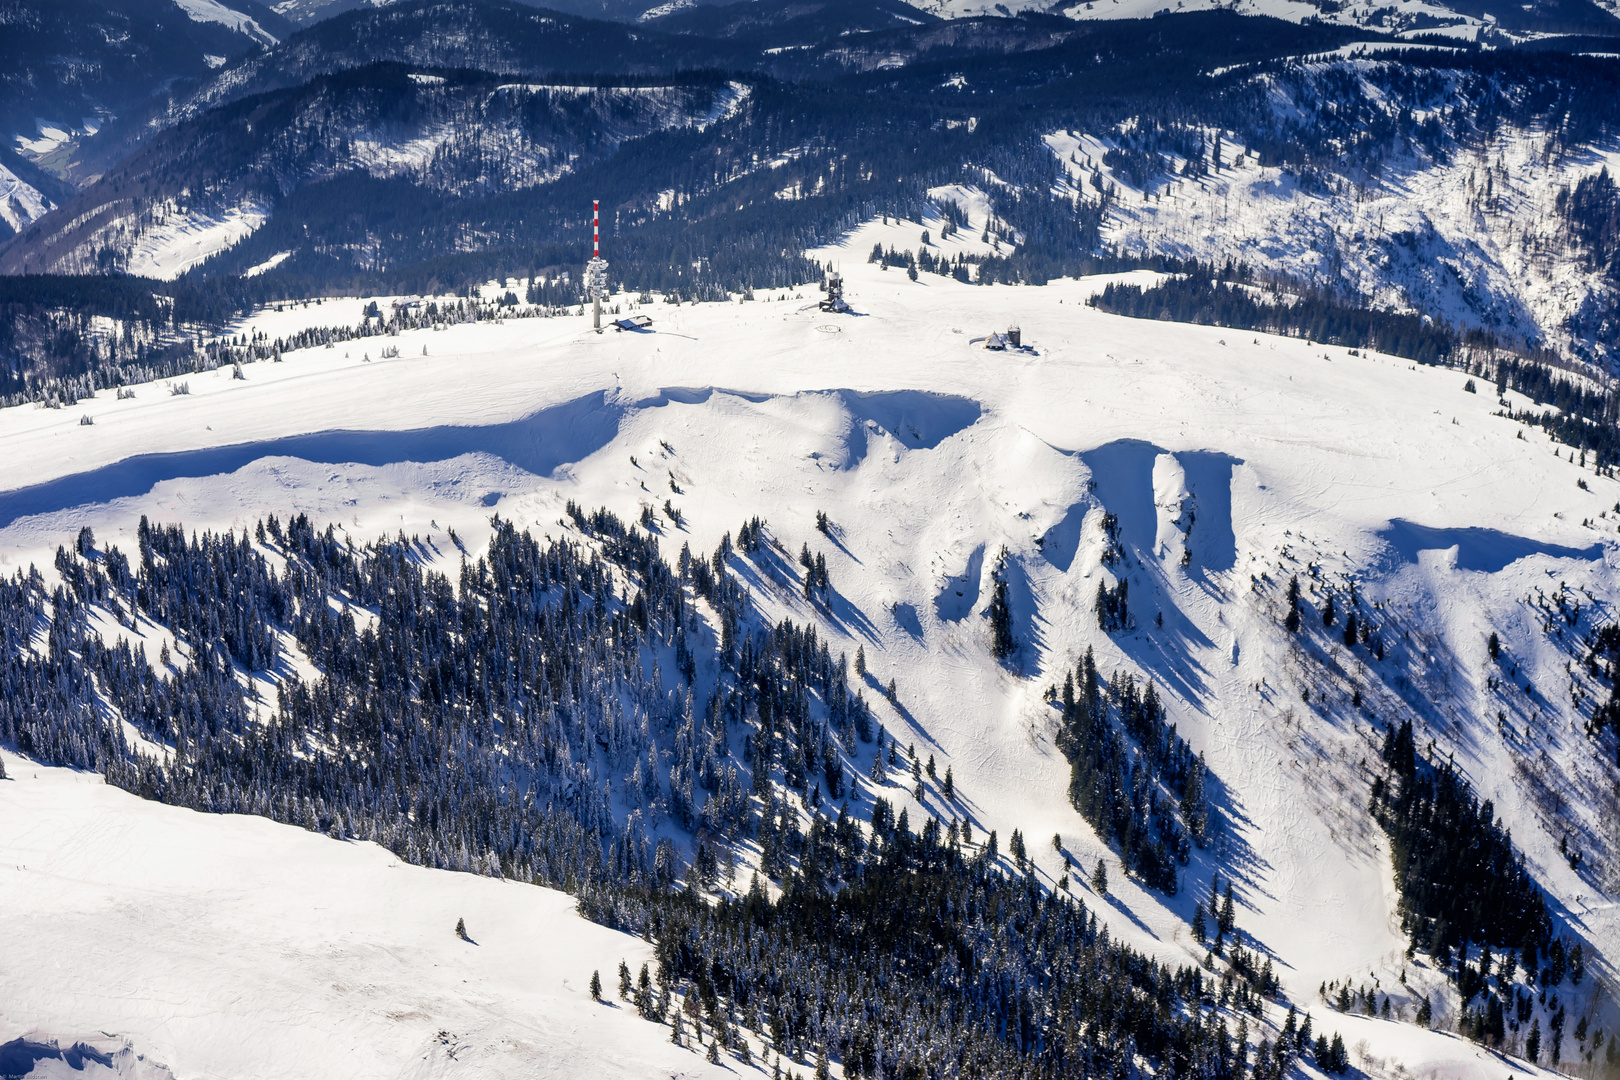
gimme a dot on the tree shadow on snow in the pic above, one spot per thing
(1166, 653)
(768, 569)
(907, 619)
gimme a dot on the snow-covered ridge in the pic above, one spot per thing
(182, 239)
(1408, 17)
(669, 8)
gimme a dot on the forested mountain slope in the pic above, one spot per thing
(455, 135)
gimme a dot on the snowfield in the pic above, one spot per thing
(231, 946)
(236, 947)
(1399, 16)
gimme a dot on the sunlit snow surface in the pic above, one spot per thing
(227, 946)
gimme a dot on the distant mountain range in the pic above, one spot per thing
(443, 142)
(67, 70)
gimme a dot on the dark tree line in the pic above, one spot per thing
(1468, 902)
(1204, 299)
(1460, 880)
(1147, 800)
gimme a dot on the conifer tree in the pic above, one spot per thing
(1000, 614)
(1291, 620)
(644, 993)
(596, 986)
(1099, 878)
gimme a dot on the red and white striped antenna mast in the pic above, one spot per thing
(596, 277)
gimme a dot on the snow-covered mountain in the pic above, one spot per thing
(1202, 467)
(1161, 626)
(20, 202)
(1465, 187)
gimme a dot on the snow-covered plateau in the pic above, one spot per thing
(223, 945)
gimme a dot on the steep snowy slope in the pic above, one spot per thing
(1229, 463)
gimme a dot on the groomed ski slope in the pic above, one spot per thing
(929, 455)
